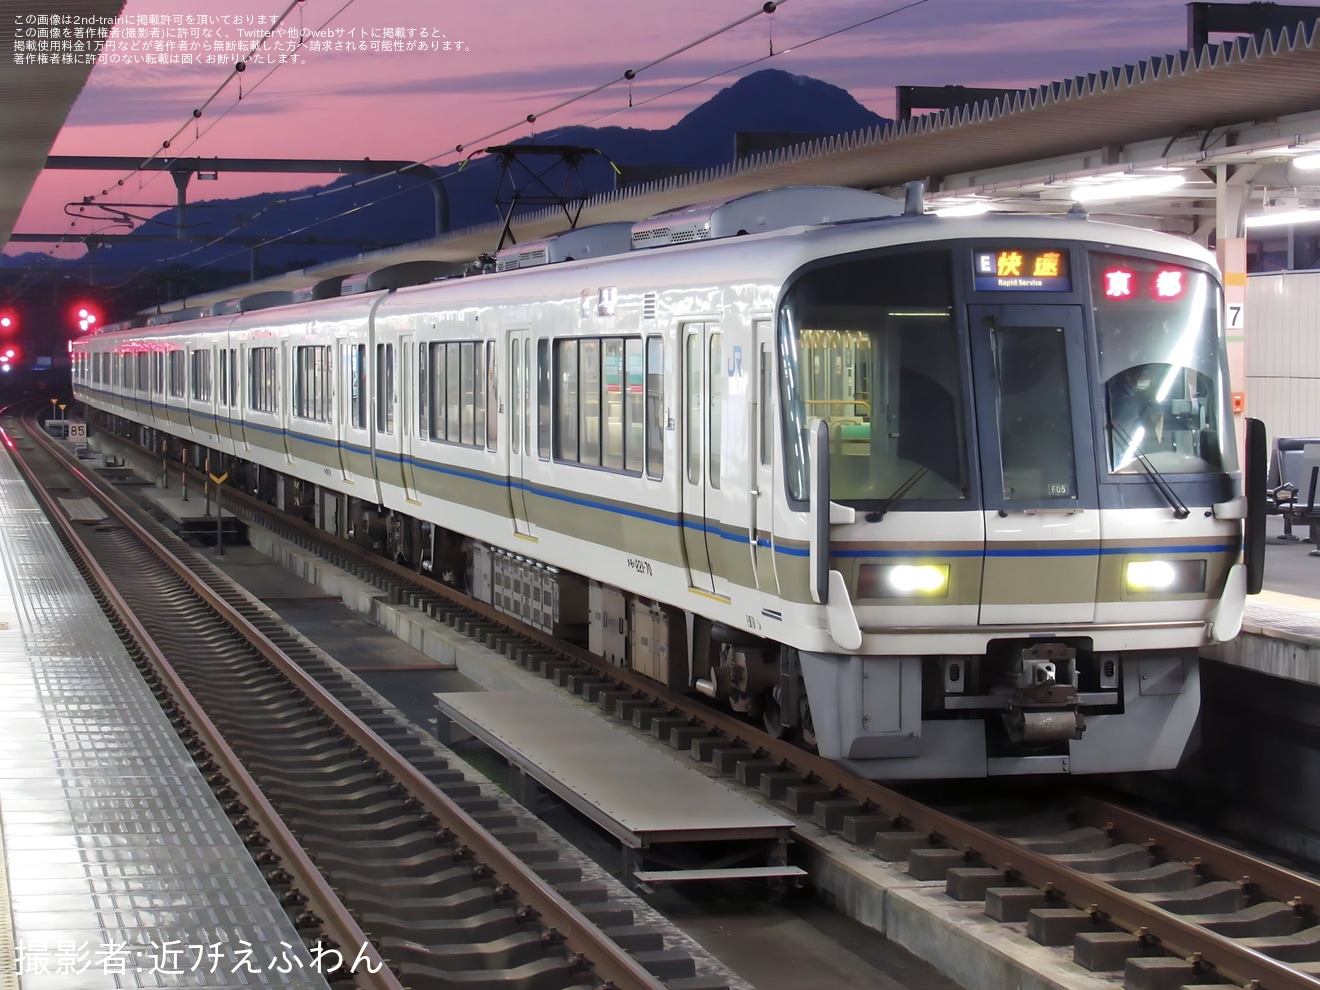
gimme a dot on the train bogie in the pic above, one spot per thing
(945, 498)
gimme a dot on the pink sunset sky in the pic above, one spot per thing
(519, 57)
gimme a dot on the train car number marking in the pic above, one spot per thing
(640, 566)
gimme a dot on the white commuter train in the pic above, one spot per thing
(951, 497)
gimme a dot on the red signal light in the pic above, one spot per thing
(86, 316)
(8, 320)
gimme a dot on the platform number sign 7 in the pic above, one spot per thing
(1235, 312)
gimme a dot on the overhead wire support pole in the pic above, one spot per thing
(182, 170)
(511, 155)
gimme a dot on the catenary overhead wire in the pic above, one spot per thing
(766, 8)
(726, 71)
(196, 114)
(629, 75)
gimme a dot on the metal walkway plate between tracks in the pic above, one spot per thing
(639, 794)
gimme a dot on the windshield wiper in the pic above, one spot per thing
(875, 515)
(1180, 510)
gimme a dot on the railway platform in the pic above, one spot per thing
(119, 866)
(1281, 626)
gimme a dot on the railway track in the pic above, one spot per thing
(378, 848)
(1127, 892)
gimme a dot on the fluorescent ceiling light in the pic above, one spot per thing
(1126, 188)
(1307, 163)
(1283, 218)
(972, 209)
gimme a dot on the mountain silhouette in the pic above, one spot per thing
(397, 210)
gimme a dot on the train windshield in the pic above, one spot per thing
(1161, 366)
(871, 347)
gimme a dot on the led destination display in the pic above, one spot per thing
(1016, 270)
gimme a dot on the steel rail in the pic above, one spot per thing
(1206, 949)
(321, 899)
(580, 936)
(1271, 880)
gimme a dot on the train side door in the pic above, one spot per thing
(284, 397)
(224, 414)
(243, 394)
(350, 406)
(761, 501)
(384, 445)
(704, 381)
(1042, 520)
(408, 426)
(521, 457)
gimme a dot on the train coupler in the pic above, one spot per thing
(1045, 707)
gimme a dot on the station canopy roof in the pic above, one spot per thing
(1251, 104)
(1159, 143)
(34, 102)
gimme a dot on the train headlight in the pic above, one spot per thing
(903, 581)
(1150, 575)
(1174, 577)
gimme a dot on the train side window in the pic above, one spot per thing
(566, 400)
(634, 405)
(357, 388)
(178, 374)
(693, 365)
(715, 439)
(493, 396)
(766, 399)
(480, 383)
(543, 379)
(613, 394)
(142, 378)
(453, 394)
(437, 397)
(655, 408)
(468, 391)
(201, 375)
(515, 416)
(423, 392)
(385, 388)
(311, 382)
(263, 380)
(589, 402)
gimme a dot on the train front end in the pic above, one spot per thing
(1011, 471)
